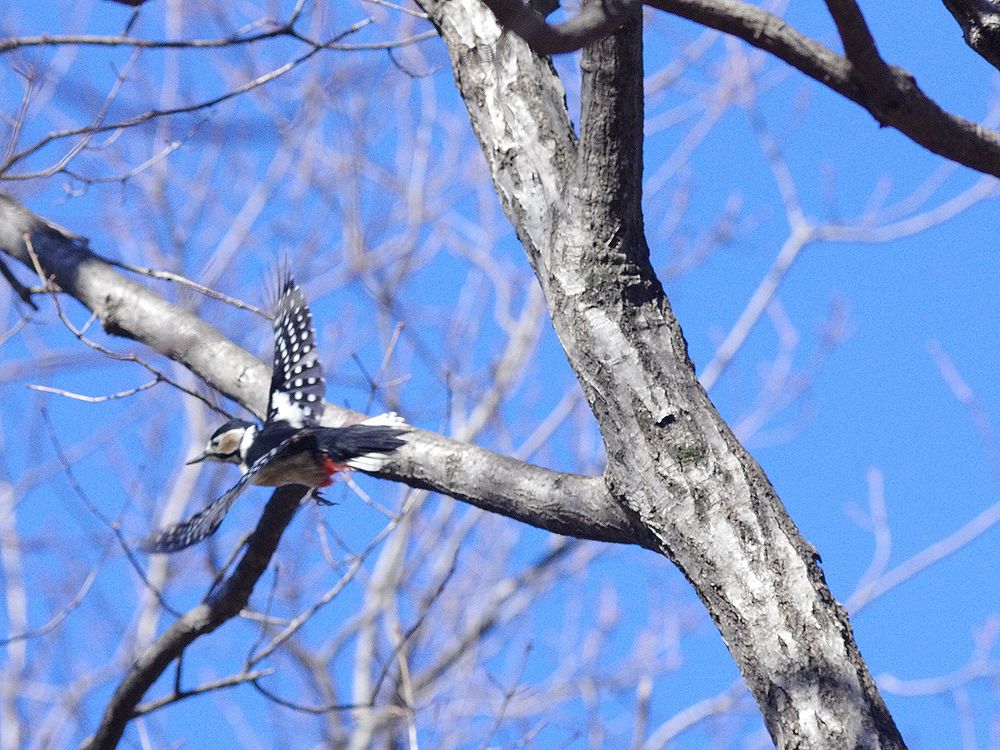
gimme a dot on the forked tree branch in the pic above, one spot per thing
(576, 206)
(223, 604)
(567, 504)
(889, 93)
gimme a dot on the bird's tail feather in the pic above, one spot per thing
(389, 419)
(367, 445)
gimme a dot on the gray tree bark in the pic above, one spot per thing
(677, 480)
(562, 503)
(672, 461)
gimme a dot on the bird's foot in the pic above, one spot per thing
(320, 500)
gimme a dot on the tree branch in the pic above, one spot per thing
(595, 20)
(562, 503)
(859, 45)
(671, 458)
(980, 22)
(869, 70)
(889, 93)
(908, 109)
(224, 603)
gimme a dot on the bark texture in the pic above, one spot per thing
(980, 22)
(672, 460)
(563, 503)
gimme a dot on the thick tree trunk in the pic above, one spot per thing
(671, 459)
(677, 480)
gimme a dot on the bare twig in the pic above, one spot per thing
(79, 333)
(114, 526)
(178, 695)
(184, 281)
(153, 114)
(96, 399)
(69, 607)
(302, 708)
(221, 605)
(81, 40)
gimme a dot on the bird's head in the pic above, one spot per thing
(224, 445)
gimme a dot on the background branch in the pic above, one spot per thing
(224, 603)
(563, 503)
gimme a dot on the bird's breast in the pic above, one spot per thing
(300, 468)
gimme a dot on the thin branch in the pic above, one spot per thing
(80, 40)
(79, 333)
(96, 399)
(218, 607)
(114, 526)
(595, 21)
(765, 292)
(153, 160)
(293, 625)
(404, 638)
(208, 687)
(184, 281)
(400, 9)
(301, 708)
(871, 587)
(391, 45)
(90, 130)
(286, 30)
(694, 714)
(63, 613)
(22, 111)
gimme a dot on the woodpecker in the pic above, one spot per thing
(290, 447)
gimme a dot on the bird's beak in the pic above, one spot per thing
(197, 459)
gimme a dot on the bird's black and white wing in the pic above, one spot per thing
(297, 384)
(205, 522)
(367, 445)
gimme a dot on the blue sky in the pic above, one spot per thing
(876, 400)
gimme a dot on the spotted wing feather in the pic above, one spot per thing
(205, 522)
(297, 384)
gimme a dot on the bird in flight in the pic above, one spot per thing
(291, 447)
